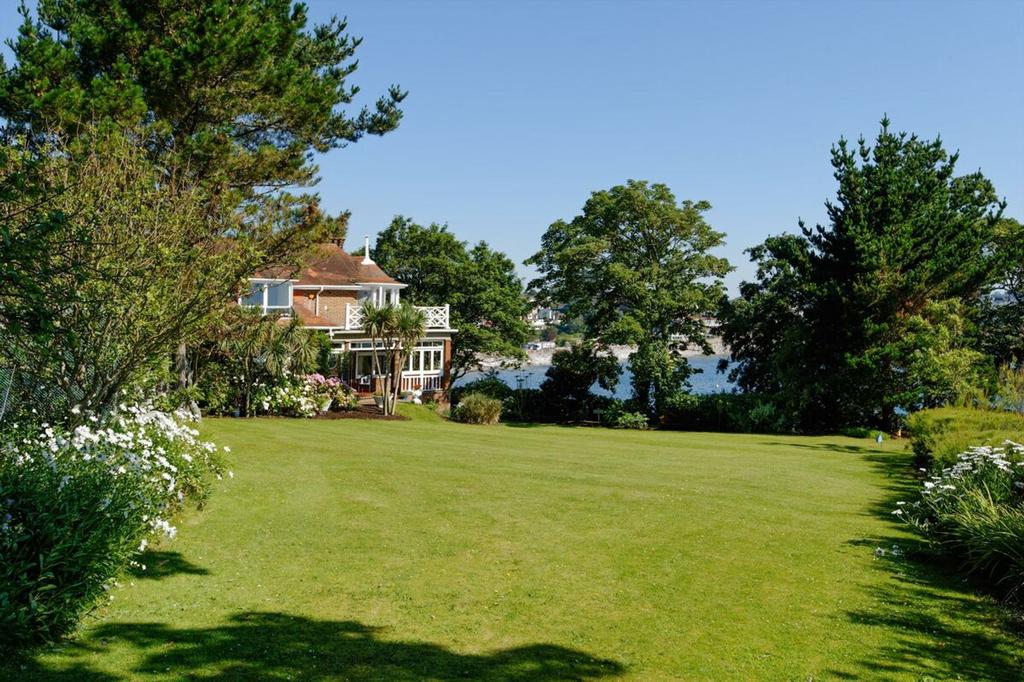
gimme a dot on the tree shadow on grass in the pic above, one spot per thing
(259, 645)
(935, 628)
(824, 447)
(162, 564)
(938, 624)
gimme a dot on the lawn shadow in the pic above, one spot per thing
(940, 626)
(161, 564)
(937, 629)
(260, 645)
(826, 447)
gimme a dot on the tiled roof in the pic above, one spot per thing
(310, 320)
(330, 265)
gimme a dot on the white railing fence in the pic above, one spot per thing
(437, 316)
(353, 316)
(425, 383)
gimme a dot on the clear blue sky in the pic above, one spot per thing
(518, 110)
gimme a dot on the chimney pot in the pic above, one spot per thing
(366, 251)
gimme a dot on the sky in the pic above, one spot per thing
(517, 111)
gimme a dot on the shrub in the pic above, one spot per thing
(77, 506)
(304, 396)
(939, 435)
(728, 412)
(333, 389)
(525, 405)
(1009, 393)
(974, 511)
(615, 416)
(861, 432)
(567, 383)
(216, 392)
(477, 408)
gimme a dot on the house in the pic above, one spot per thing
(540, 317)
(328, 294)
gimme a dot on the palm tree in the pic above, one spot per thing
(289, 348)
(410, 326)
(378, 320)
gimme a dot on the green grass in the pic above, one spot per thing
(426, 549)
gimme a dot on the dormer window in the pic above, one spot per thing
(269, 295)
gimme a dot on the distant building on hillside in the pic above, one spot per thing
(540, 317)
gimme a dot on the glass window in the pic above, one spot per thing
(255, 295)
(279, 295)
(416, 361)
(437, 359)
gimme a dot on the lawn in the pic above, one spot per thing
(425, 549)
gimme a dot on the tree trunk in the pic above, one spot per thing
(397, 388)
(182, 366)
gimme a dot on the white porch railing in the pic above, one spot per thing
(430, 382)
(437, 316)
(424, 383)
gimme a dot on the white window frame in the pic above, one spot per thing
(265, 285)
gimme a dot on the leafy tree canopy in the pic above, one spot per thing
(573, 371)
(107, 267)
(1001, 314)
(488, 306)
(636, 267)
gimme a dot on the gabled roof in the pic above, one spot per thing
(330, 265)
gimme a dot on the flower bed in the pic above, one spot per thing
(306, 396)
(974, 510)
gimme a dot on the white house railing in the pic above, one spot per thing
(437, 316)
(353, 316)
(426, 382)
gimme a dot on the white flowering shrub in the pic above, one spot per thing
(305, 396)
(77, 506)
(974, 510)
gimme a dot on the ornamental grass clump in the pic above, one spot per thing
(974, 511)
(476, 408)
(78, 506)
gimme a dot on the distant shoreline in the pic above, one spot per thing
(542, 358)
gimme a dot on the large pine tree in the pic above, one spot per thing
(846, 322)
(238, 92)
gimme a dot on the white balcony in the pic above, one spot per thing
(437, 316)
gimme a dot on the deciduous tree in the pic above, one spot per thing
(108, 265)
(636, 267)
(487, 304)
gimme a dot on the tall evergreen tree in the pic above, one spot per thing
(905, 236)
(226, 100)
(237, 92)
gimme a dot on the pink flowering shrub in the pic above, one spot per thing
(305, 396)
(77, 507)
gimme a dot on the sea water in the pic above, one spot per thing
(707, 380)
